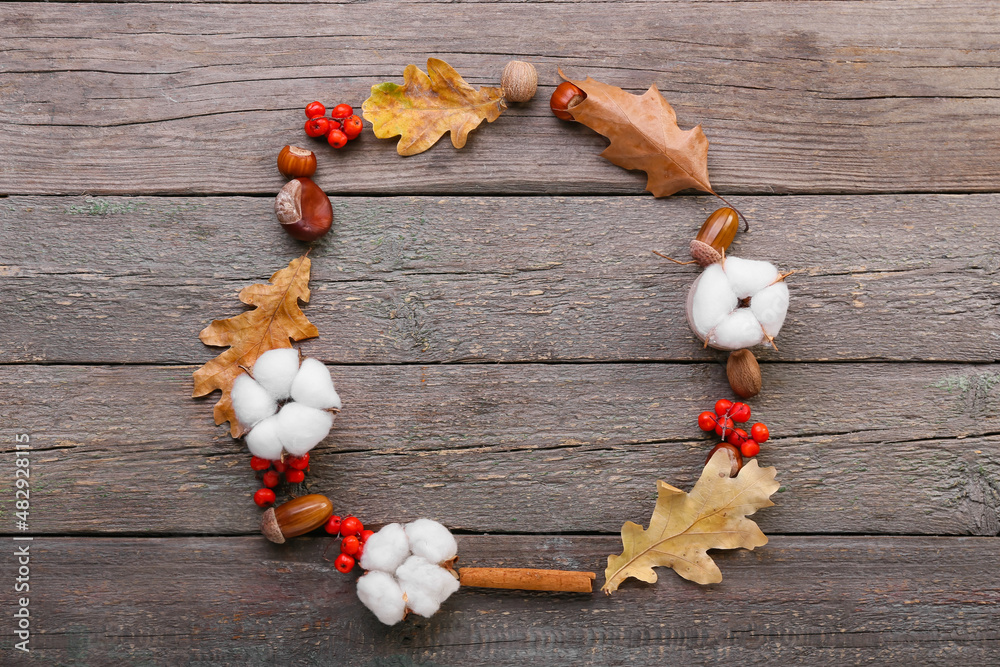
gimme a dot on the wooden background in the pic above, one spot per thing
(513, 359)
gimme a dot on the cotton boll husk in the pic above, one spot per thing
(301, 428)
(430, 540)
(769, 306)
(275, 370)
(383, 596)
(313, 386)
(425, 585)
(749, 276)
(386, 550)
(710, 300)
(265, 439)
(251, 402)
(739, 330)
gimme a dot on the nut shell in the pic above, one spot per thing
(303, 209)
(294, 162)
(735, 457)
(296, 517)
(519, 81)
(743, 372)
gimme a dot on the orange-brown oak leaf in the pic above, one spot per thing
(644, 135)
(428, 105)
(685, 526)
(274, 322)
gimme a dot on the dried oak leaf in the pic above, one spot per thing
(686, 525)
(274, 322)
(425, 107)
(644, 135)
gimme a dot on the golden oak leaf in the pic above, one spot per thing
(686, 525)
(425, 107)
(274, 322)
(644, 135)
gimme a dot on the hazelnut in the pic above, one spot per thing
(565, 97)
(519, 81)
(294, 162)
(735, 457)
(743, 373)
(296, 517)
(303, 209)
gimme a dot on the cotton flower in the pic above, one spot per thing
(425, 585)
(302, 422)
(386, 550)
(431, 540)
(381, 593)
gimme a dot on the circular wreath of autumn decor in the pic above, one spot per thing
(283, 405)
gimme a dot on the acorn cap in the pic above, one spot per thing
(704, 254)
(269, 526)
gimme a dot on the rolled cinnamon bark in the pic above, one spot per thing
(526, 579)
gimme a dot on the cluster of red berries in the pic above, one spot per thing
(292, 468)
(352, 544)
(723, 421)
(342, 125)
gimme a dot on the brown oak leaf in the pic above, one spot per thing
(428, 105)
(685, 526)
(275, 321)
(644, 135)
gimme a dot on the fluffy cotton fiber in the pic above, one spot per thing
(251, 402)
(275, 370)
(301, 428)
(386, 550)
(430, 540)
(264, 440)
(380, 592)
(425, 585)
(313, 386)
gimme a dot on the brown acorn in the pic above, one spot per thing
(743, 373)
(715, 235)
(296, 517)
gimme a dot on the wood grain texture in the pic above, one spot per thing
(859, 448)
(795, 97)
(244, 601)
(431, 279)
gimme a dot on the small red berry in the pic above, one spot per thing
(724, 426)
(341, 111)
(270, 479)
(740, 412)
(333, 525)
(722, 406)
(294, 476)
(361, 551)
(736, 437)
(280, 466)
(750, 448)
(299, 462)
(344, 563)
(336, 138)
(314, 109)
(760, 432)
(351, 526)
(317, 127)
(264, 497)
(707, 421)
(350, 545)
(335, 125)
(352, 127)
(365, 534)
(259, 464)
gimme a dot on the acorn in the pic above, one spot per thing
(743, 372)
(296, 517)
(519, 81)
(715, 235)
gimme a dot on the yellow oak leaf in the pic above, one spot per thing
(275, 321)
(644, 135)
(428, 105)
(686, 525)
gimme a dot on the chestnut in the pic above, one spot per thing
(303, 209)
(566, 96)
(735, 457)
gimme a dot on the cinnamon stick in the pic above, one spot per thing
(526, 579)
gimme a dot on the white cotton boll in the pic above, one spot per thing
(425, 585)
(386, 550)
(430, 540)
(302, 428)
(251, 402)
(739, 330)
(313, 386)
(265, 439)
(275, 370)
(383, 596)
(749, 276)
(710, 300)
(769, 306)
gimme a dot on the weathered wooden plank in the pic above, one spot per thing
(795, 97)
(419, 279)
(243, 601)
(860, 448)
